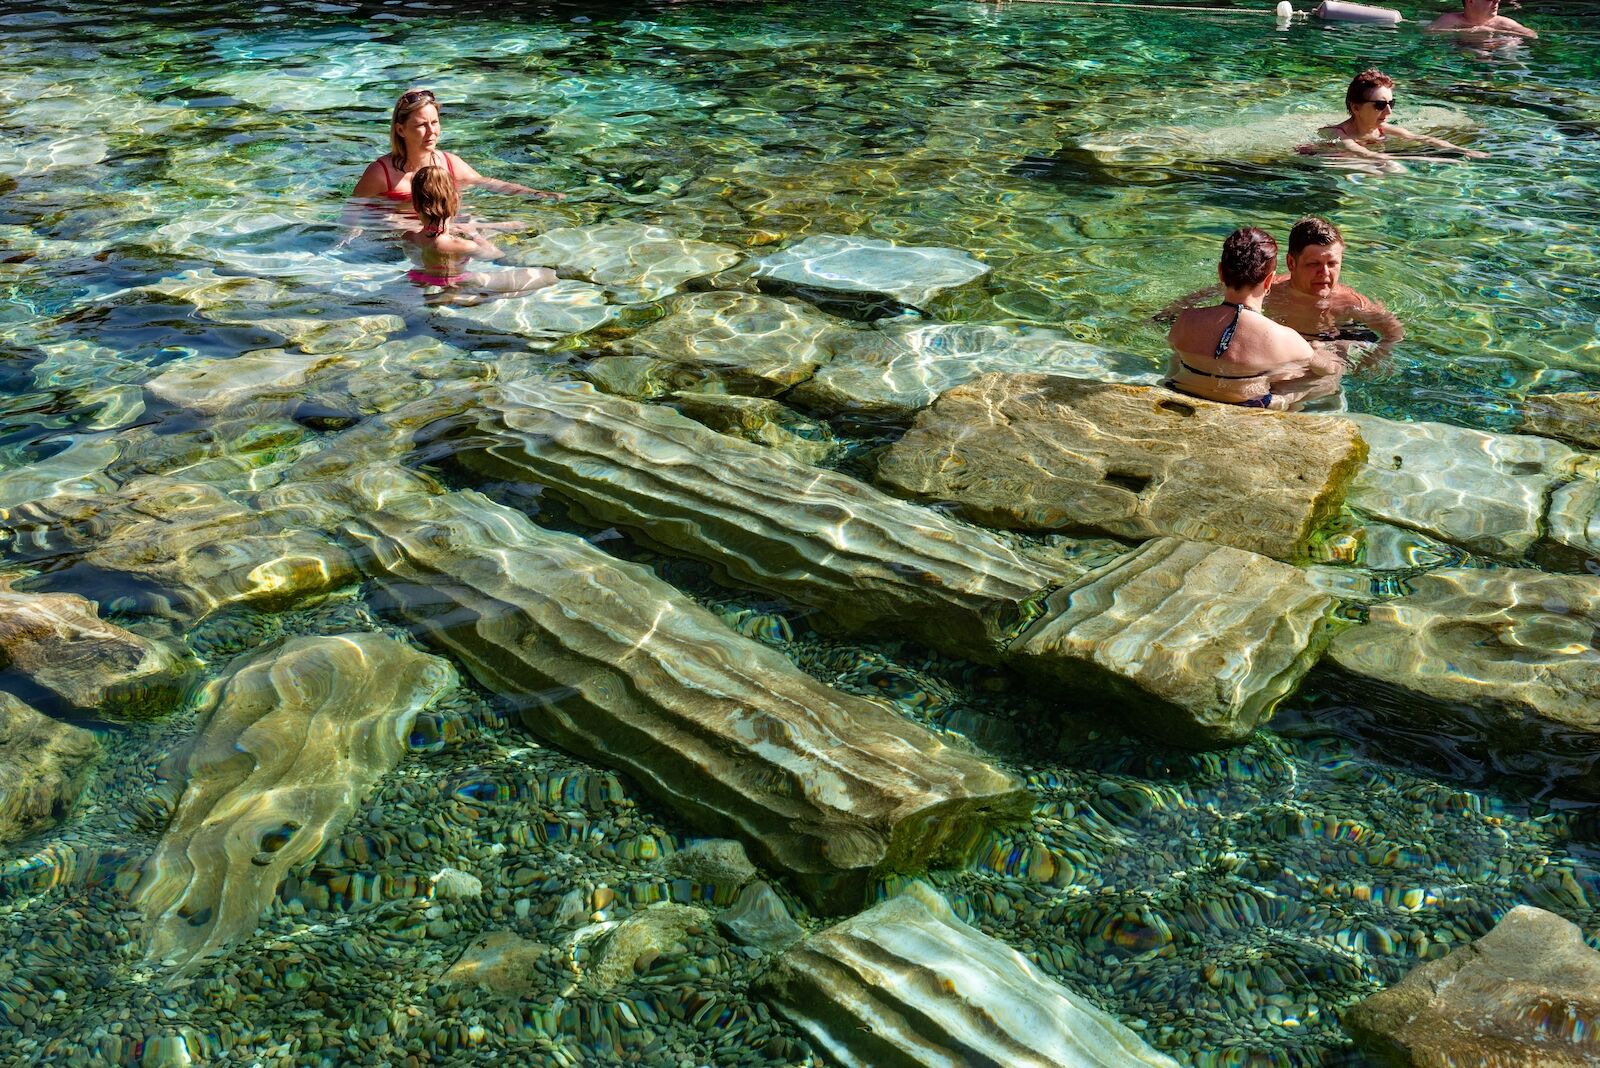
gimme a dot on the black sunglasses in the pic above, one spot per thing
(1381, 103)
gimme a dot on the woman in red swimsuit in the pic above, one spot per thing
(413, 144)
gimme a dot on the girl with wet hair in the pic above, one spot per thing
(1371, 102)
(442, 248)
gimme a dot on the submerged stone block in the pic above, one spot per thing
(1572, 527)
(634, 261)
(1572, 417)
(291, 742)
(869, 267)
(1194, 643)
(59, 643)
(44, 765)
(613, 664)
(1484, 492)
(869, 562)
(906, 984)
(1044, 453)
(1525, 995)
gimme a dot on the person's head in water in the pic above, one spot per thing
(434, 196)
(1370, 99)
(1316, 252)
(1478, 12)
(1249, 259)
(414, 127)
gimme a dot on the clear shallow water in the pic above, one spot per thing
(1232, 902)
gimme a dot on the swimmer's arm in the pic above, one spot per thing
(1361, 151)
(1512, 26)
(468, 242)
(1170, 313)
(1383, 322)
(468, 175)
(1437, 142)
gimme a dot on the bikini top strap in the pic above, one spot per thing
(1227, 333)
(388, 173)
(449, 167)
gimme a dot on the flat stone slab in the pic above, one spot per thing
(1572, 524)
(906, 983)
(1519, 648)
(1525, 995)
(635, 262)
(542, 317)
(867, 266)
(867, 561)
(894, 371)
(59, 642)
(1194, 643)
(1572, 417)
(78, 468)
(763, 421)
(290, 744)
(1484, 492)
(1045, 453)
(44, 765)
(750, 342)
(609, 662)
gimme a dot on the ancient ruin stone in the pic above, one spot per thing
(750, 343)
(831, 789)
(869, 562)
(1572, 417)
(907, 983)
(895, 370)
(1525, 995)
(1184, 641)
(1484, 492)
(59, 643)
(44, 765)
(292, 741)
(1043, 453)
(866, 266)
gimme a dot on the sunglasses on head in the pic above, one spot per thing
(1389, 103)
(416, 95)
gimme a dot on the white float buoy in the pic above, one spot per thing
(1343, 11)
(1285, 9)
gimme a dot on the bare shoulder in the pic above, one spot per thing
(373, 180)
(1286, 341)
(1510, 25)
(1450, 20)
(461, 167)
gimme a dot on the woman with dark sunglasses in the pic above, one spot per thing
(414, 144)
(1371, 102)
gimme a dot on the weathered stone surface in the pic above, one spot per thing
(1525, 995)
(1197, 642)
(502, 962)
(211, 386)
(542, 317)
(759, 918)
(1572, 417)
(611, 663)
(235, 451)
(292, 740)
(763, 421)
(634, 261)
(906, 983)
(1572, 525)
(716, 860)
(896, 370)
(1484, 492)
(1039, 452)
(1519, 648)
(60, 643)
(44, 765)
(866, 266)
(650, 930)
(752, 343)
(77, 469)
(867, 561)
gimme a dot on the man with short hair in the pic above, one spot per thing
(1479, 18)
(1311, 299)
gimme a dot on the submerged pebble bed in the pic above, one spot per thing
(1228, 905)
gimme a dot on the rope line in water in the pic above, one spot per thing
(1145, 7)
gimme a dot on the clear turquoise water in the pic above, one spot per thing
(1232, 903)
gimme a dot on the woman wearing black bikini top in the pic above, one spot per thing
(1233, 354)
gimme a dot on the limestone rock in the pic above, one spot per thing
(634, 261)
(1043, 453)
(291, 742)
(1572, 526)
(895, 370)
(759, 918)
(716, 860)
(502, 962)
(1484, 492)
(906, 983)
(80, 468)
(866, 266)
(453, 883)
(653, 929)
(43, 767)
(59, 642)
(1525, 995)
(317, 336)
(1572, 417)
(542, 317)
(763, 421)
(1194, 643)
(869, 562)
(210, 386)
(225, 452)
(1519, 648)
(611, 663)
(751, 343)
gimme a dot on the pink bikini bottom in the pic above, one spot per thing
(425, 279)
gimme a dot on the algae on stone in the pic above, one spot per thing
(1045, 453)
(291, 742)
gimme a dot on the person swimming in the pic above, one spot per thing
(1480, 18)
(443, 251)
(1370, 100)
(1311, 299)
(1232, 353)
